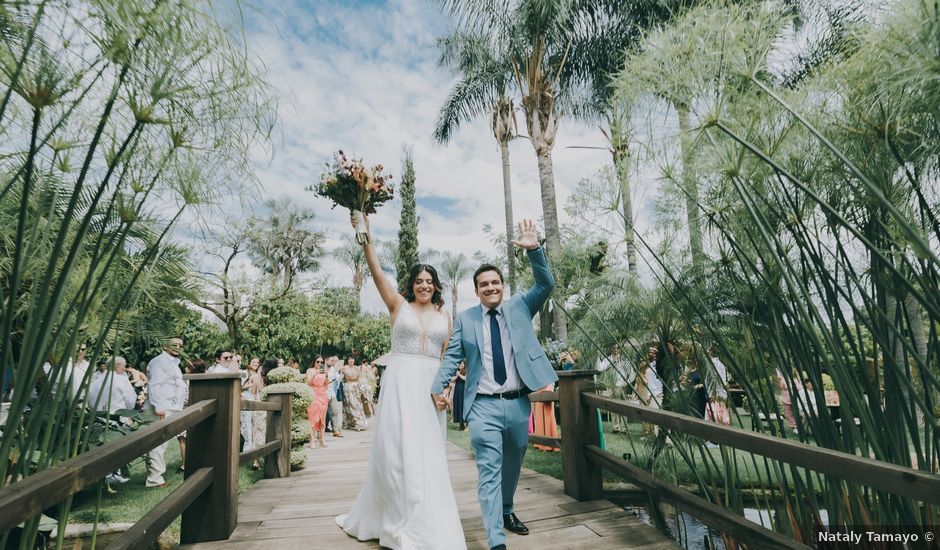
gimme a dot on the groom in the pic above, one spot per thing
(504, 363)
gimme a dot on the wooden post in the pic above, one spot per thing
(277, 464)
(579, 428)
(214, 443)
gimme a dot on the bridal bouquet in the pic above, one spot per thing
(351, 184)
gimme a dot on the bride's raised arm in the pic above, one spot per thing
(389, 295)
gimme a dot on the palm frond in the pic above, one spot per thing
(471, 97)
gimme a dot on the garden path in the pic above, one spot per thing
(298, 511)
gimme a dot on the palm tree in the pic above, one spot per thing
(535, 39)
(454, 268)
(351, 255)
(598, 62)
(284, 244)
(551, 49)
(483, 86)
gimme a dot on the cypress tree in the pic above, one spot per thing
(408, 225)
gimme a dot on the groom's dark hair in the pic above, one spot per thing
(483, 269)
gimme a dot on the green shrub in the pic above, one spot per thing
(299, 432)
(283, 375)
(302, 396)
(298, 459)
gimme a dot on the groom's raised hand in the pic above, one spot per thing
(528, 238)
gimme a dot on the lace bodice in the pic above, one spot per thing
(408, 336)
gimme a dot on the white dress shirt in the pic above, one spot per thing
(331, 375)
(488, 383)
(114, 387)
(166, 389)
(655, 385)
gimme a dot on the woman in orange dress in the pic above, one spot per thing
(316, 412)
(543, 420)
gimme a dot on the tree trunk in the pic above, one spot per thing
(552, 229)
(358, 282)
(690, 188)
(507, 201)
(619, 137)
(232, 325)
(914, 313)
(453, 300)
(621, 157)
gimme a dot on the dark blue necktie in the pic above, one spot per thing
(496, 340)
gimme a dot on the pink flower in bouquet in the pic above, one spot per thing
(348, 183)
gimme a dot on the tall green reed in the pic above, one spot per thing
(820, 209)
(160, 106)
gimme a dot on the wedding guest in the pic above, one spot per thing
(543, 420)
(353, 410)
(139, 381)
(78, 370)
(318, 381)
(457, 397)
(224, 360)
(617, 376)
(166, 396)
(786, 399)
(267, 366)
(566, 359)
(101, 367)
(197, 366)
(367, 381)
(693, 376)
(717, 387)
(253, 423)
(336, 396)
(807, 399)
(112, 391)
(654, 385)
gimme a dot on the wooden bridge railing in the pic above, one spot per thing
(208, 497)
(584, 460)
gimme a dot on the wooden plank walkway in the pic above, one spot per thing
(298, 511)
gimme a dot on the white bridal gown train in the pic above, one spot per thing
(407, 502)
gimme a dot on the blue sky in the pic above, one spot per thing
(363, 76)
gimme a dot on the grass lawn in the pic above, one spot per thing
(132, 500)
(708, 463)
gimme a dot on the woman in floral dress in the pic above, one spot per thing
(354, 415)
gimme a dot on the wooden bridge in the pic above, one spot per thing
(298, 511)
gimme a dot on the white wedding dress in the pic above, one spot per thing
(407, 502)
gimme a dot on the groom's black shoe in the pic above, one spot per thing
(499, 547)
(511, 522)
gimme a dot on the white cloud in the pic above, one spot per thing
(363, 76)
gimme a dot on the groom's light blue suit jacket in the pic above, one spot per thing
(466, 342)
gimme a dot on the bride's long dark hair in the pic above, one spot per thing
(409, 292)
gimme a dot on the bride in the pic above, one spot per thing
(407, 501)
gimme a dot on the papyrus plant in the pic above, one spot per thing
(819, 203)
(119, 120)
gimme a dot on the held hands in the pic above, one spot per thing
(528, 238)
(440, 402)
